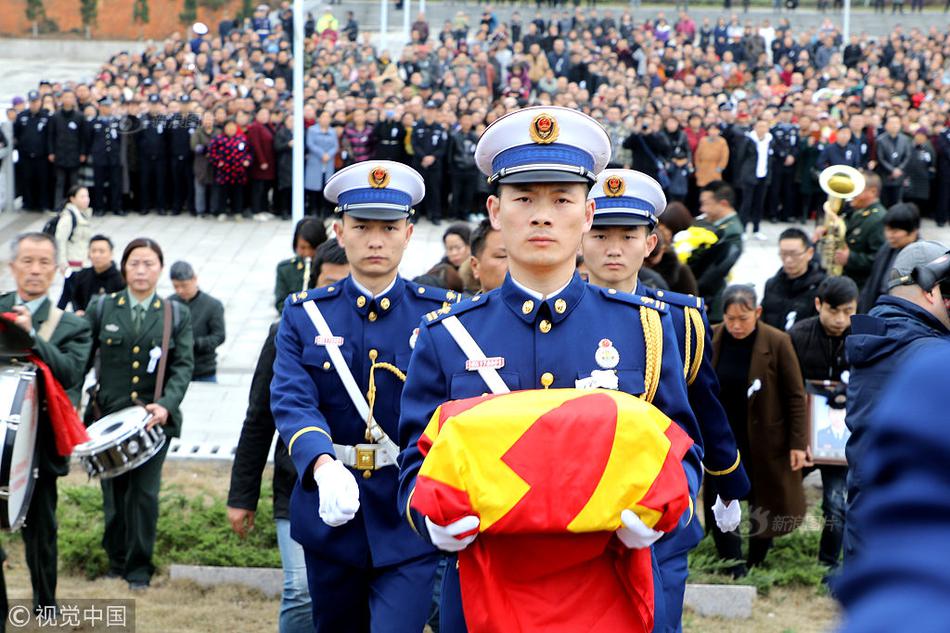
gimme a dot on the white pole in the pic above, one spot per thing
(846, 30)
(383, 25)
(422, 6)
(406, 10)
(297, 183)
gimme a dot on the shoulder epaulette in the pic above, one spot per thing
(680, 300)
(433, 293)
(455, 308)
(290, 262)
(315, 294)
(635, 300)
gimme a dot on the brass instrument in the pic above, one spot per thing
(307, 263)
(842, 184)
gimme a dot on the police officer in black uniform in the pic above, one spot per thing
(182, 123)
(430, 142)
(152, 142)
(106, 160)
(30, 134)
(785, 136)
(389, 136)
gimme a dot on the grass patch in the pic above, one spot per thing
(192, 529)
(792, 562)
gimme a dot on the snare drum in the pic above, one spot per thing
(18, 424)
(119, 443)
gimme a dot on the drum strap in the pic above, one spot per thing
(163, 359)
(49, 326)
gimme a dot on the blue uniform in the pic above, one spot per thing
(721, 460)
(542, 342)
(900, 580)
(374, 559)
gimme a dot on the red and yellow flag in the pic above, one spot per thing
(548, 473)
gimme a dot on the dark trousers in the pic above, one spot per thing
(259, 191)
(108, 187)
(182, 179)
(229, 193)
(729, 544)
(942, 201)
(282, 202)
(151, 183)
(782, 205)
(34, 183)
(39, 540)
(130, 502)
(315, 204)
(66, 177)
(833, 505)
(463, 193)
(753, 199)
(394, 599)
(432, 203)
(891, 193)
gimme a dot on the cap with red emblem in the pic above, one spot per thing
(543, 144)
(376, 190)
(624, 197)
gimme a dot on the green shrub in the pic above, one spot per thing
(192, 529)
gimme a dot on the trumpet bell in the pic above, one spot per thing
(841, 181)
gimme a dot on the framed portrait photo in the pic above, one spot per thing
(828, 433)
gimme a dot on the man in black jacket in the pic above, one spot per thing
(389, 136)
(250, 459)
(711, 265)
(66, 146)
(819, 344)
(901, 228)
(462, 168)
(101, 277)
(430, 142)
(651, 149)
(790, 295)
(207, 319)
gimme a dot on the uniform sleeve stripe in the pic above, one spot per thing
(719, 473)
(409, 512)
(306, 429)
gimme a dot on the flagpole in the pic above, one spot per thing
(297, 156)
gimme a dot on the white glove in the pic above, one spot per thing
(339, 493)
(446, 537)
(727, 516)
(634, 533)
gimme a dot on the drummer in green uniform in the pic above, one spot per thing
(291, 277)
(127, 329)
(62, 341)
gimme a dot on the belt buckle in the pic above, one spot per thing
(365, 457)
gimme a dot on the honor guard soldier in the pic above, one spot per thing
(545, 326)
(430, 144)
(785, 136)
(105, 149)
(342, 355)
(30, 135)
(62, 341)
(182, 123)
(152, 142)
(129, 331)
(627, 206)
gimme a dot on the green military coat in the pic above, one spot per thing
(66, 353)
(864, 236)
(289, 280)
(124, 374)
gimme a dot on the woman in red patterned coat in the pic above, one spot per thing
(230, 154)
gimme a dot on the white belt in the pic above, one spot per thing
(364, 456)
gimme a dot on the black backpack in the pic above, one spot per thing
(50, 227)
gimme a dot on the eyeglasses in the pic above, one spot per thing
(783, 255)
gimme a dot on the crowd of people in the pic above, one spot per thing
(757, 104)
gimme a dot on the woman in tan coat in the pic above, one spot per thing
(711, 157)
(764, 398)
